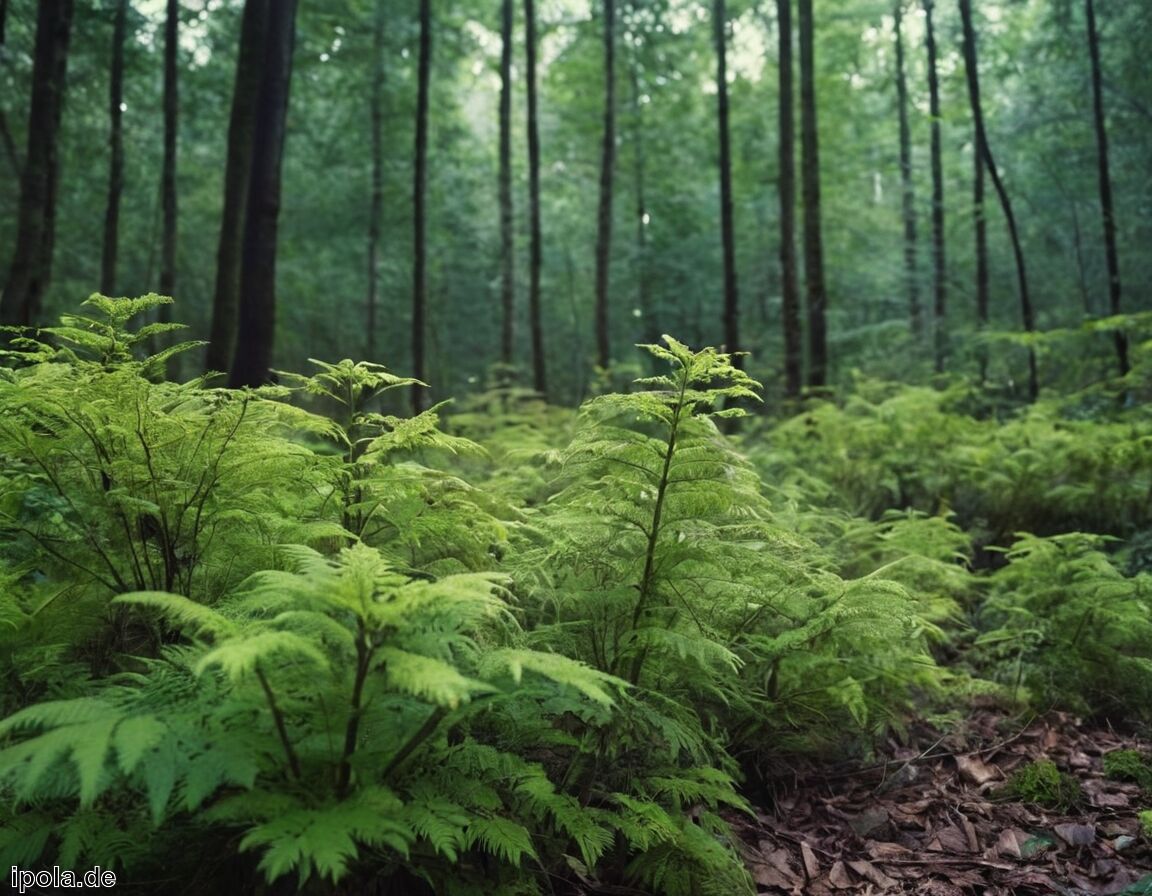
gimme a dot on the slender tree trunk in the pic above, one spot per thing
(31, 267)
(115, 152)
(789, 288)
(507, 270)
(604, 215)
(727, 225)
(911, 271)
(650, 330)
(810, 176)
(535, 324)
(939, 266)
(376, 203)
(980, 221)
(970, 64)
(256, 331)
(419, 182)
(237, 173)
(168, 173)
(1107, 211)
(6, 140)
(1078, 249)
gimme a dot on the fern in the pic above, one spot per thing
(1062, 619)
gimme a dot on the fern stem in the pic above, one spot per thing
(654, 531)
(281, 728)
(352, 729)
(421, 735)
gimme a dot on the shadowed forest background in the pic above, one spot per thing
(641, 233)
(738, 479)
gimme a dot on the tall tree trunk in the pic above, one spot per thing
(604, 214)
(810, 176)
(980, 222)
(535, 324)
(911, 272)
(650, 330)
(376, 202)
(115, 152)
(31, 268)
(419, 182)
(727, 226)
(789, 288)
(507, 270)
(168, 172)
(939, 266)
(970, 64)
(1107, 212)
(256, 330)
(6, 140)
(237, 173)
(168, 176)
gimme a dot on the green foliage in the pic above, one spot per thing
(1146, 823)
(1043, 470)
(419, 514)
(314, 712)
(1129, 765)
(112, 482)
(346, 645)
(1062, 619)
(1043, 784)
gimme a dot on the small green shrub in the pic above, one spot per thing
(1043, 784)
(1129, 765)
(1063, 620)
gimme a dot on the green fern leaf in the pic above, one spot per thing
(504, 838)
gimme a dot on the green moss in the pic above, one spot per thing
(1129, 765)
(1045, 785)
(1146, 823)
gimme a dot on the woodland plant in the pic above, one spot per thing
(112, 482)
(324, 712)
(661, 562)
(1061, 619)
(422, 516)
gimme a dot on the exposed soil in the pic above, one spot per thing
(929, 819)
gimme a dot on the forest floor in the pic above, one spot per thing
(928, 818)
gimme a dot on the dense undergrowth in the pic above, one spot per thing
(324, 645)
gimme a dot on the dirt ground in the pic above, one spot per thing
(929, 818)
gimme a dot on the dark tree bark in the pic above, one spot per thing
(980, 223)
(419, 182)
(168, 173)
(256, 330)
(604, 214)
(1107, 211)
(6, 140)
(507, 270)
(939, 266)
(727, 226)
(115, 152)
(970, 65)
(535, 324)
(376, 202)
(650, 330)
(237, 172)
(810, 187)
(789, 288)
(911, 271)
(31, 268)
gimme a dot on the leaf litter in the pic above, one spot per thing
(932, 818)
